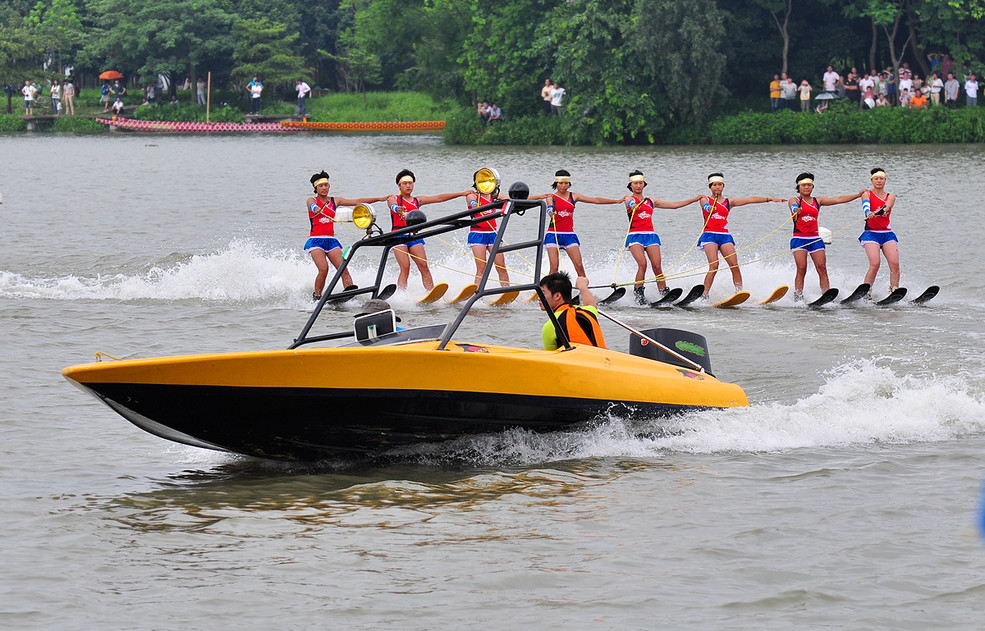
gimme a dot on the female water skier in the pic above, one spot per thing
(561, 231)
(483, 235)
(401, 204)
(321, 243)
(806, 239)
(715, 237)
(642, 241)
(878, 236)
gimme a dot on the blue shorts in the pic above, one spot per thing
(322, 243)
(879, 238)
(717, 238)
(646, 239)
(482, 238)
(564, 240)
(808, 244)
(411, 244)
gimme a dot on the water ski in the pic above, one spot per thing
(467, 292)
(668, 298)
(434, 295)
(737, 299)
(927, 294)
(617, 293)
(826, 297)
(778, 293)
(860, 291)
(338, 301)
(892, 298)
(691, 296)
(505, 298)
(387, 291)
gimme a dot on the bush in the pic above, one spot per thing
(187, 112)
(12, 122)
(73, 124)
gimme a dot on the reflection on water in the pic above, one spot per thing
(387, 497)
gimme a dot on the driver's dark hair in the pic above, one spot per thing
(558, 283)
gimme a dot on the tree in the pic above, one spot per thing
(56, 30)
(680, 42)
(265, 49)
(171, 37)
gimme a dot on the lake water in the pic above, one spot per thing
(848, 495)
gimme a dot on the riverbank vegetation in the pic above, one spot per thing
(634, 71)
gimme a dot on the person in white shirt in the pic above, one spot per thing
(971, 91)
(303, 91)
(936, 85)
(557, 95)
(830, 79)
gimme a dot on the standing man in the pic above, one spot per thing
(971, 91)
(557, 96)
(545, 95)
(200, 91)
(775, 93)
(851, 86)
(28, 91)
(303, 91)
(951, 91)
(789, 90)
(255, 88)
(830, 79)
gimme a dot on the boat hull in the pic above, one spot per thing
(317, 403)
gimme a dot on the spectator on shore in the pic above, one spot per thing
(851, 86)
(869, 99)
(971, 91)
(200, 91)
(118, 90)
(805, 96)
(789, 91)
(255, 88)
(775, 94)
(29, 92)
(118, 106)
(867, 86)
(557, 98)
(104, 97)
(150, 93)
(918, 101)
(483, 111)
(918, 85)
(187, 85)
(56, 97)
(303, 91)
(904, 98)
(545, 95)
(951, 91)
(68, 95)
(882, 101)
(495, 114)
(830, 79)
(936, 85)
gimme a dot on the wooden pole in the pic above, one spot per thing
(208, 97)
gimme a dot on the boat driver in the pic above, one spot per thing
(580, 324)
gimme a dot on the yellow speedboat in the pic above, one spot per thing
(391, 388)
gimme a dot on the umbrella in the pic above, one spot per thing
(826, 95)
(111, 74)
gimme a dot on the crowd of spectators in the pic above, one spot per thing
(878, 89)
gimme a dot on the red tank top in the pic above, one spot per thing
(396, 221)
(879, 223)
(322, 217)
(485, 226)
(805, 218)
(716, 215)
(640, 212)
(564, 214)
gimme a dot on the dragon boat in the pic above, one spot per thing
(375, 388)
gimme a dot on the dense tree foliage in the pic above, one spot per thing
(632, 69)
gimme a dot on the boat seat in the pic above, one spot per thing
(373, 326)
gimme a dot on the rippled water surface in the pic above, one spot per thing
(846, 496)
